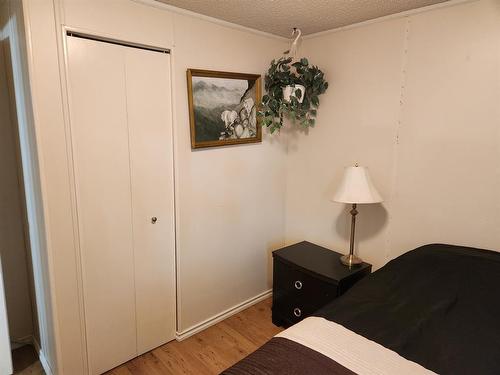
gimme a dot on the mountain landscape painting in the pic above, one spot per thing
(223, 108)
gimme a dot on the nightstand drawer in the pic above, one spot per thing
(297, 284)
(293, 311)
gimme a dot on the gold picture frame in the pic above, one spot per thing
(223, 108)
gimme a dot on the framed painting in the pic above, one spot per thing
(223, 108)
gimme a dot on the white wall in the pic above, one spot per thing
(416, 100)
(448, 169)
(229, 201)
(356, 123)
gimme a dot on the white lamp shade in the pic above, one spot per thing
(356, 187)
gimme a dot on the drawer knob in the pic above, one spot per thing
(297, 312)
(298, 284)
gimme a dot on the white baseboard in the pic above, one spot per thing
(223, 315)
(41, 357)
(20, 342)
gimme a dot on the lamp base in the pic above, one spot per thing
(350, 260)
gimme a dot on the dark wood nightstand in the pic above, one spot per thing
(306, 277)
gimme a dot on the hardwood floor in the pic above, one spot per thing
(210, 351)
(25, 361)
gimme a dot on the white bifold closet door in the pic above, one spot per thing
(120, 112)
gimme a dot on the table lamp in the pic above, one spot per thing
(355, 188)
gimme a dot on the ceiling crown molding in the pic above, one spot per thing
(407, 13)
(173, 9)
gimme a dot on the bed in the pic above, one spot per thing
(435, 309)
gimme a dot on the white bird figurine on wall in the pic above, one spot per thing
(295, 43)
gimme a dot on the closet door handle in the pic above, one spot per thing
(154, 219)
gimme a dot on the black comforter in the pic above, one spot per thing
(438, 305)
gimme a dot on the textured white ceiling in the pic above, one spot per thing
(311, 16)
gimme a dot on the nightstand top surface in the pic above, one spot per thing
(318, 259)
